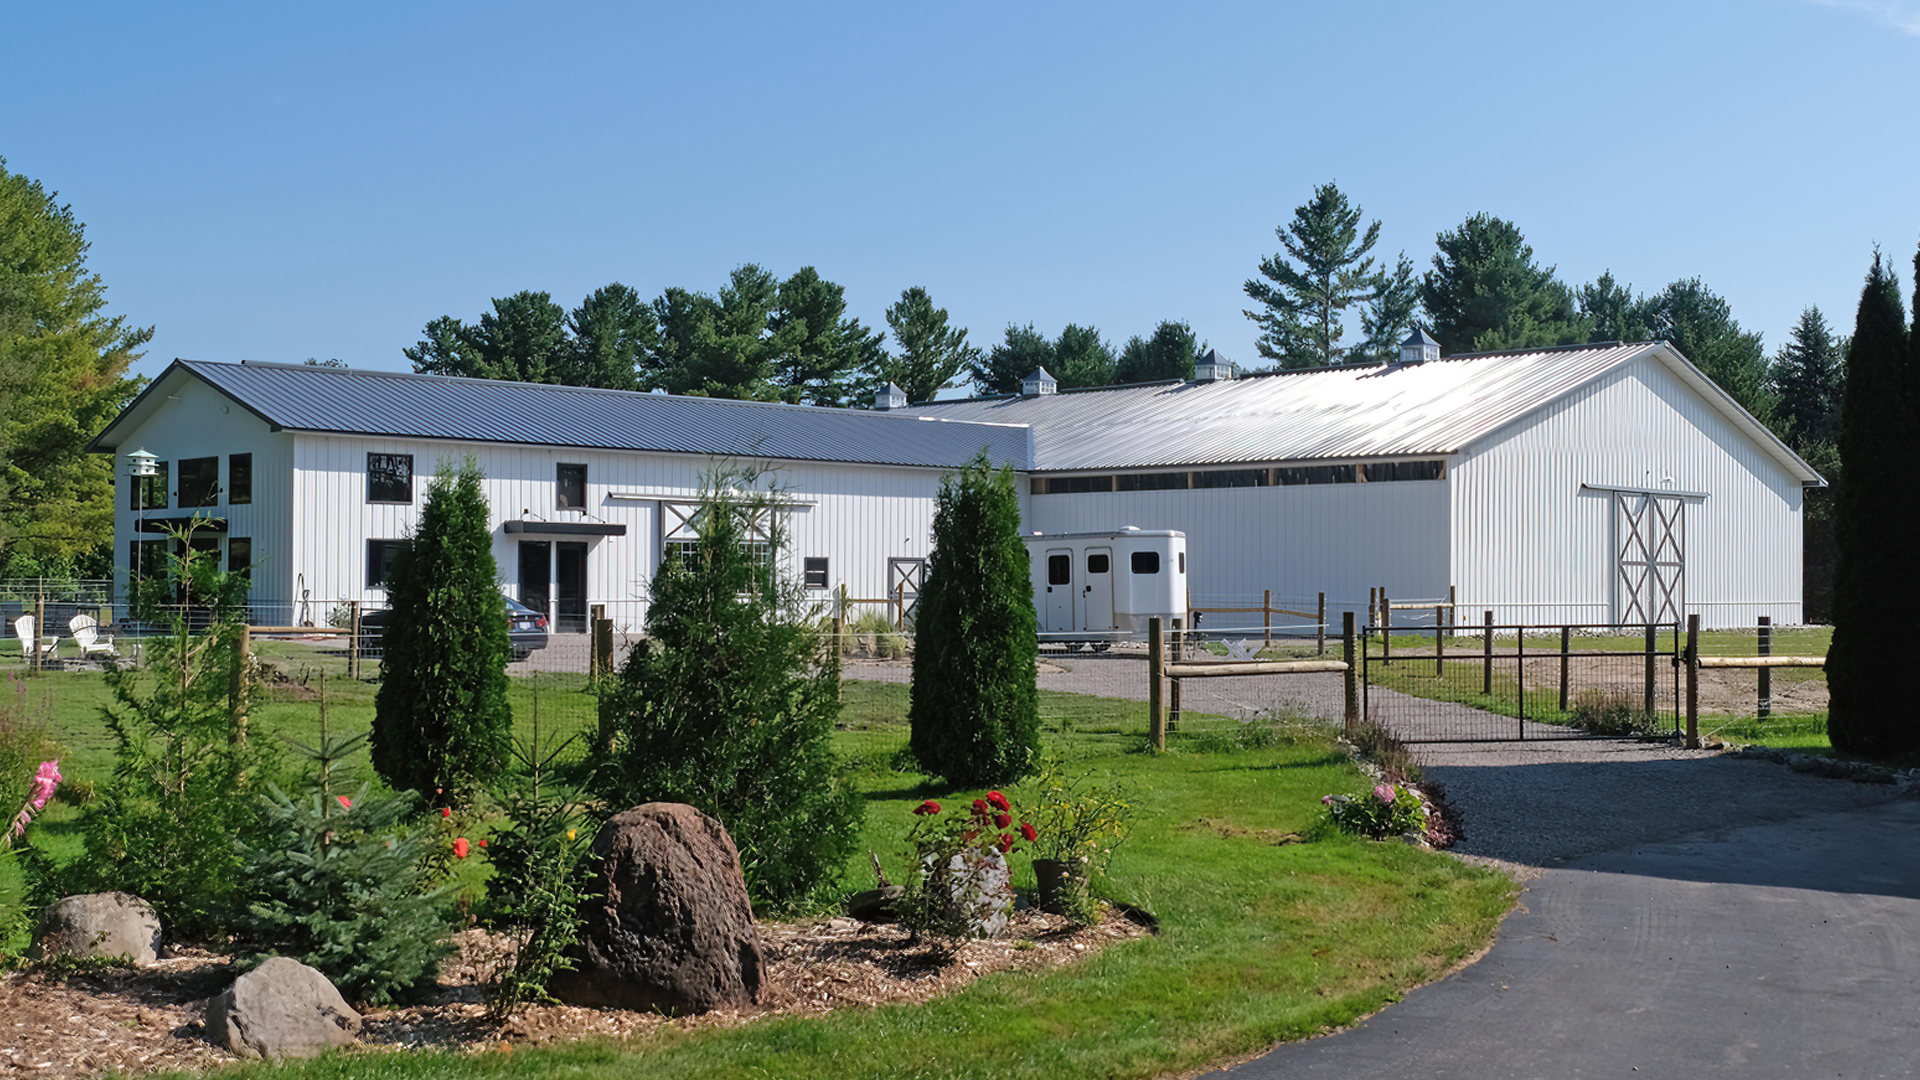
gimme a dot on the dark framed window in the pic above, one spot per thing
(814, 573)
(570, 487)
(147, 559)
(1183, 562)
(1317, 474)
(1074, 485)
(239, 479)
(1098, 563)
(1384, 471)
(390, 478)
(1166, 481)
(240, 556)
(149, 492)
(1059, 569)
(199, 481)
(380, 556)
(1146, 562)
(1232, 478)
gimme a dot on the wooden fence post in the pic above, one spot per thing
(1352, 677)
(353, 639)
(1156, 721)
(1486, 653)
(1439, 645)
(1321, 622)
(603, 645)
(1651, 645)
(1173, 710)
(1766, 674)
(1520, 675)
(1453, 607)
(1566, 647)
(1693, 682)
(1386, 629)
(1266, 615)
(595, 613)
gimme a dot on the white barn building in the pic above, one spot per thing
(1595, 484)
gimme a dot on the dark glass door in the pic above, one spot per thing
(570, 591)
(536, 575)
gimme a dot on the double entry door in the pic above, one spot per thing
(1079, 590)
(553, 581)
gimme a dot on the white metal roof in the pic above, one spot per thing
(1439, 407)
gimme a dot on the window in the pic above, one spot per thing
(380, 556)
(814, 574)
(149, 492)
(239, 479)
(240, 556)
(199, 481)
(390, 478)
(1059, 569)
(1183, 562)
(570, 489)
(1231, 478)
(1317, 474)
(1402, 470)
(1074, 485)
(1098, 562)
(1146, 562)
(147, 560)
(1166, 481)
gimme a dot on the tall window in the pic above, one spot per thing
(571, 487)
(149, 492)
(199, 481)
(147, 559)
(240, 556)
(390, 478)
(380, 556)
(239, 479)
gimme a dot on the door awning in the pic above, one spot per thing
(203, 524)
(566, 528)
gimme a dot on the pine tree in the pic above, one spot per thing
(931, 353)
(1699, 323)
(1805, 376)
(1082, 358)
(1485, 292)
(1016, 357)
(1613, 311)
(728, 703)
(823, 347)
(1388, 317)
(1876, 516)
(612, 337)
(1302, 307)
(973, 705)
(1169, 354)
(441, 718)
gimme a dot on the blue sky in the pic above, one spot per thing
(271, 182)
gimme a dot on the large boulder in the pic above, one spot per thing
(672, 929)
(104, 925)
(283, 1008)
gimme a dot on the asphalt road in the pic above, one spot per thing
(1785, 949)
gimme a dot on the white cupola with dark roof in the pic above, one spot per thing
(889, 396)
(1039, 384)
(1212, 368)
(1419, 347)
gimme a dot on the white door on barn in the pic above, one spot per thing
(1057, 605)
(1650, 558)
(1097, 592)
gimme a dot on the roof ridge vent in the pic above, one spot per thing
(889, 396)
(1212, 368)
(1039, 384)
(1419, 347)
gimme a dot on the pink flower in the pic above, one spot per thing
(44, 781)
(345, 803)
(460, 847)
(1384, 793)
(1326, 800)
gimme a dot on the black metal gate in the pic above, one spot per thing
(1496, 683)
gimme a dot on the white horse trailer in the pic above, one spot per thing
(1103, 586)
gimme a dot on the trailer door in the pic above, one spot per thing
(1057, 613)
(1097, 590)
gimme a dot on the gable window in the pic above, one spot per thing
(199, 481)
(390, 478)
(240, 556)
(570, 487)
(814, 573)
(149, 492)
(239, 479)
(380, 556)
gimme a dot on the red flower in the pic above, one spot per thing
(999, 801)
(1006, 842)
(980, 807)
(1001, 821)
(460, 847)
(483, 843)
(345, 803)
(446, 812)
(1027, 830)
(927, 807)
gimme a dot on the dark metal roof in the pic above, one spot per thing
(349, 401)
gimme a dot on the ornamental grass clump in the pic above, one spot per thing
(1388, 810)
(958, 883)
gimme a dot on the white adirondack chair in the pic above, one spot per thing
(86, 634)
(24, 628)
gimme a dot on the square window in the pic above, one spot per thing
(390, 478)
(380, 557)
(570, 488)
(199, 481)
(815, 573)
(240, 556)
(239, 479)
(1146, 562)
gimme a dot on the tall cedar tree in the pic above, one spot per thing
(931, 353)
(1485, 292)
(1876, 516)
(728, 703)
(63, 376)
(973, 706)
(1302, 307)
(441, 718)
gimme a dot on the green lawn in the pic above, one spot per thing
(1271, 930)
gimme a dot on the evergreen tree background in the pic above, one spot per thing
(1389, 314)
(1485, 292)
(1806, 377)
(1014, 358)
(929, 354)
(973, 705)
(728, 703)
(1302, 306)
(441, 717)
(1700, 323)
(1614, 312)
(1169, 354)
(1877, 514)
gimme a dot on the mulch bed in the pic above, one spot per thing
(145, 1020)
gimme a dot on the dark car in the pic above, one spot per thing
(526, 629)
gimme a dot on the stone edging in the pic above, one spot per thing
(1860, 772)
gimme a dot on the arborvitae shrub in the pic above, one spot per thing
(973, 705)
(441, 717)
(729, 701)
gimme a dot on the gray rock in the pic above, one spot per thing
(103, 925)
(283, 1008)
(672, 929)
(876, 905)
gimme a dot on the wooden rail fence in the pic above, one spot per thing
(1267, 611)
(1163, 714)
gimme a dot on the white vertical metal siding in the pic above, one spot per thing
(1535, 547)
